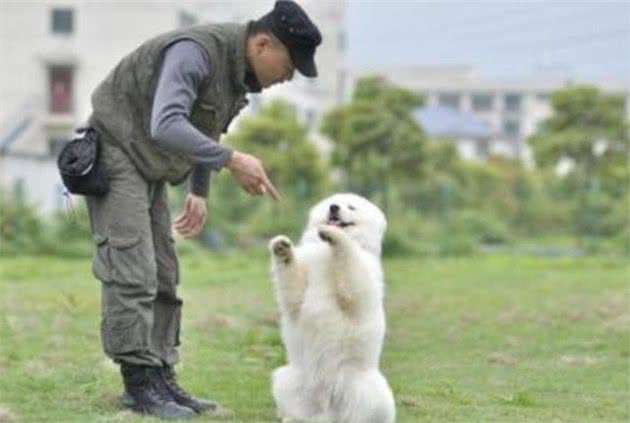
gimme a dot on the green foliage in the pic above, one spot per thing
(293, 164)
(377, 141)
(24, 231)
(290, 158)
(410, 234)
(435, 202)
(69, 231)
(581, 116)
(482, 227)
(21, 227)
(457, 244)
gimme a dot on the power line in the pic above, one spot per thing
(509, 26)
(574, 41)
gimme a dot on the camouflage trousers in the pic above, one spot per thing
(135, 261)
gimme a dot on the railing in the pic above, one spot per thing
(15, 125)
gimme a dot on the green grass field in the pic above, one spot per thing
(488, 338)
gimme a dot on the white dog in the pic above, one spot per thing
(330, 294)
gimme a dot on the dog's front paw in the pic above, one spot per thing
(329, 234)
(281, 247)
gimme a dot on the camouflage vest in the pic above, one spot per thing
(122, 103)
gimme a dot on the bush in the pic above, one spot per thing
(482, 227)
(21, 227)
(457, 245)
(24, 231)
(411, 233)
(398, 243)
(69, 231)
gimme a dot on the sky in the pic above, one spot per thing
(583, 40)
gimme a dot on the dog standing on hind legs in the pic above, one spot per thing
(329, 291)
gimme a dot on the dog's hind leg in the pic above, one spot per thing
(367, 399)
(287, 390)
(288, 275)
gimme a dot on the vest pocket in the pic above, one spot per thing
(205, 117)
(234, 111)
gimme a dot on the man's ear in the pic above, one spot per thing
(261, 41)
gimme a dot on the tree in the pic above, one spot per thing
(590, 128)
(291, 161)
(377, 141)
(582, 118)
(290, 158)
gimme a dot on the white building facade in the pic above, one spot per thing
(55, 52)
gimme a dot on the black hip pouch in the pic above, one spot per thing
(79, 166)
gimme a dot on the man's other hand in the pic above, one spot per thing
(250, 174)
(190, 222)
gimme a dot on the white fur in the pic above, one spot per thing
(330, 293)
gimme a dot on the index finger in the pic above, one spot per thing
(270, 188)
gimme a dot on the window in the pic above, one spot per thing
(62, 21)
(341, 86)
(19, 193)
(481, 102)
(511, 128)
(449, 100)
(310, 118)
(341, 41)
(513, 102)
(60, 89)
(481, 149)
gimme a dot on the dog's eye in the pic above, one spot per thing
(351, 207)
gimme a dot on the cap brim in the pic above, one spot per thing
(304, 62)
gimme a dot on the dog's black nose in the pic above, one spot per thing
(334, 209)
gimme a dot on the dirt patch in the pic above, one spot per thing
(470, 317)
(619, 324)
(510, 316)
(579, 360)
(507, 315)
(502, 359)
(220, 321)
(514, 342)
(612, 307)
(408, 401)
(6, 415)
(575, 315)
(269, 319)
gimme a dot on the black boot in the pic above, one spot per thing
(148, 394)
(182, 397)
(179, 395)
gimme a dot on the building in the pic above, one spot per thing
(474, 138)
(55, 52)
(512, 110)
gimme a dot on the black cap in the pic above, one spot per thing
(292, 26)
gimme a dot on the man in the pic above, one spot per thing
(159, 115)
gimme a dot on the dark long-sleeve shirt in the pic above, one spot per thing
(184, 67)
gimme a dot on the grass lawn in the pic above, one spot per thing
(487, 338)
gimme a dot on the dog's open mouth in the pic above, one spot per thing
(335, 220)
